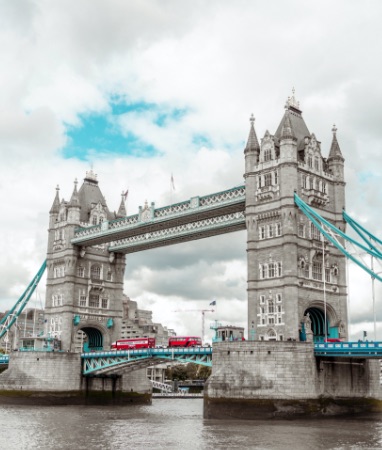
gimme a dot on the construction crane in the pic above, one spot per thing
(203, 311)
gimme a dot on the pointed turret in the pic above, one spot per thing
(74, 205)
(335, 151)
(122, 207)
(74, 200)
(252, 143)
(287, 129)
(336, 160)
(252, 148)
(56, 203)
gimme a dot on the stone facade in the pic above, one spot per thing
(84, 285)
(255, 380)
(56, 378)
(293, 278)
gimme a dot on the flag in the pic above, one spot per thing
(125, 194)
(213, 303)
(172, 182)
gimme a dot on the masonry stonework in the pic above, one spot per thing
(258, 380)
(294, 278)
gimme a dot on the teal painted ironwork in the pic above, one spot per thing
(4, 359)
(10, 318)
(363, 233)
(369, 350)
(320, 223)
(96, 363)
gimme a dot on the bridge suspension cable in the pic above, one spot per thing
(334, 234)
(11, 316)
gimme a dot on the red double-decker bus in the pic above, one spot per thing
(132, 344)
(184, 341)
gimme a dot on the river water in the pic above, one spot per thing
(174, 424)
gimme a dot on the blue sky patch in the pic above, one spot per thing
(101, 134)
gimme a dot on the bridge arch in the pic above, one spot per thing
(97, 337)
(314, 318)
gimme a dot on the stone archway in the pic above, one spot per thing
(88, 338)
(316, 318)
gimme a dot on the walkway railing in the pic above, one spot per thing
(349, 349)
(4, 359)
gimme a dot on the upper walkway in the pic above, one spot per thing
(199, 217)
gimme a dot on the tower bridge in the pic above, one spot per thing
(292, 293)
(296, 280)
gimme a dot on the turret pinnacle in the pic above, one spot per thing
(122, 207)
(287, 129)
(56, 203)
(335, 151)
(252, 143)
(74, 200)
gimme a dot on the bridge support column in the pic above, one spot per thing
(55, 378)
(265, 379)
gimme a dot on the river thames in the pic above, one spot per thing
(174, 424)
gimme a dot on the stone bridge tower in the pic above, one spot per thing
(296, 282)
(84, 286)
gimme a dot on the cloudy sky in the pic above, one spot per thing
(143, 89)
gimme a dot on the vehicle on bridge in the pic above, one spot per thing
(184, 341)
(133, 344)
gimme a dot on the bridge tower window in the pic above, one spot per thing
(96, 272)
(94, 301)
(315, 232)
(82, 301)
(317, 270)
(105, 303)
(268, 179)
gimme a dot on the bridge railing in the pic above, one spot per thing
(150, 351)
(4, 359)
(361, 348)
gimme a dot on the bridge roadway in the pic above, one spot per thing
(98, 363)
(197, 218)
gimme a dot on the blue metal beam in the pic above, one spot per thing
(368, 350)
(96, 363)
(321, 223)
(10, 318)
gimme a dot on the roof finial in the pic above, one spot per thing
(57, 188)
(292, 102)
(252, 119)
(334, 129)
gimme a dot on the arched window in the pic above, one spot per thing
(267, 154)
